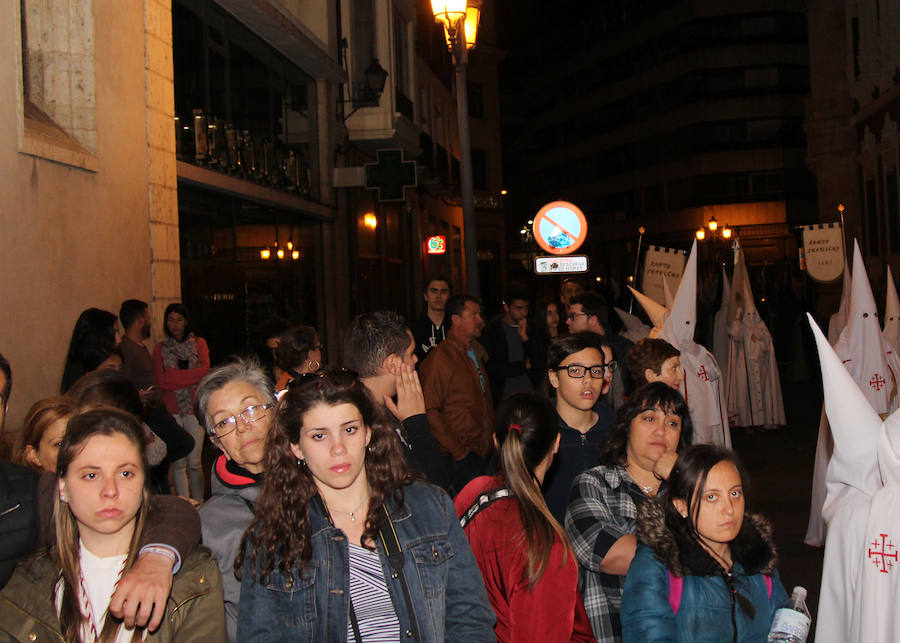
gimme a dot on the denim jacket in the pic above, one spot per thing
(447, 593)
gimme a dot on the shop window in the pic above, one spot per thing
(255, 107)
(57, 83)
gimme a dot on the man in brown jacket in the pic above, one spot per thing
(458, 394)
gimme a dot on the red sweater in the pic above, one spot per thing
(173, 379)
(553, 610)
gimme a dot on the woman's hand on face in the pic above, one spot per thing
(663, 467)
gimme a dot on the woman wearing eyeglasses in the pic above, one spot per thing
(235, 404)
(346, 546)
(578, 372)
(600, 519)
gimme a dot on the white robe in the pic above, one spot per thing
(720, 327)
(703, 386)
(754, 391)
(861, 575)
(846, 516)
(853, 479)
(703, 389)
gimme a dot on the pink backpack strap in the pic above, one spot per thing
(768, 584)
(676, 583)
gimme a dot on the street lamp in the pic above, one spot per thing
(713, 226)
(460, 19)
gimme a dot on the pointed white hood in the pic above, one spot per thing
(854, 424)
(891, 331)
(655, 311)
(667, 292)
(862, 308)
(736, 305)
(740, 285)
(682, 321)
(635, 330)
(720, 325)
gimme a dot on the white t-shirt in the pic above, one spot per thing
(100, 577)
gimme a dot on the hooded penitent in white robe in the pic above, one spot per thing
(720, 326)
(871, 363)
(754, 386)
(891, 332)
(815, 529)
(852, 481)
(876, 617)
(634, 329)
(703, 386)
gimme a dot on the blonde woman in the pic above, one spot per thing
(100, 513)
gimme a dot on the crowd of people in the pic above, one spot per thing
(530, 478)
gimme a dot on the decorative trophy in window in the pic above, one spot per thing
(201, 145)
(232, 149)
(248, 160)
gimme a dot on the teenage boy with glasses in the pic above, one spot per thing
(588, 311)
(578, 373)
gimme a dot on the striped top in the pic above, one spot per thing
(371, 601)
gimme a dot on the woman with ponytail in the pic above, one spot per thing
(523, 552)
(705, 568)
(64, 593)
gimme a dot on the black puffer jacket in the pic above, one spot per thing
(19, 524)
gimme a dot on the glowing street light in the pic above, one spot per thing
(460, 19)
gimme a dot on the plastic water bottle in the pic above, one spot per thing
(791, 622)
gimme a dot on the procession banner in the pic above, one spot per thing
(661, 264)
(823, 251)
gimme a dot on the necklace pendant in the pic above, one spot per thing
(352, 517)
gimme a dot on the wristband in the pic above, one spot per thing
(162, 550)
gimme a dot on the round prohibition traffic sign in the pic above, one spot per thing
(560, 227)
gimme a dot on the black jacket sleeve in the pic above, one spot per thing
(422, 451)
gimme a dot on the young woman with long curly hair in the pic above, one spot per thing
(346, 544)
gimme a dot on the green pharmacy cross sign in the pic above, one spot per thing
(390, 175)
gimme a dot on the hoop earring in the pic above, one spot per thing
(315, 368)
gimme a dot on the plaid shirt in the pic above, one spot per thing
(602, 508)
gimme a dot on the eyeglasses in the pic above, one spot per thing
(572, 316)
(597, 371)
(253, 413)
